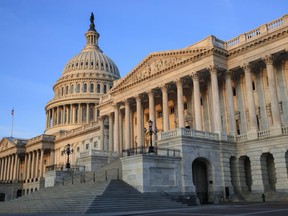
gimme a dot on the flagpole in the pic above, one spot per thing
(12, 122)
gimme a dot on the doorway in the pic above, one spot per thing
(200, 179)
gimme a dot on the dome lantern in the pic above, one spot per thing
(92, 35)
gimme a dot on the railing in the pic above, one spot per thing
(63, 168)
(42, 137)
(187, 132)
(255, 33)
(76, 130)
(285, 130)
(157, 151)
(263, 133)
(86, 177)
(94, 152)
(241, 137)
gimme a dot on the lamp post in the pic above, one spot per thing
(68, 151)
(151, 132)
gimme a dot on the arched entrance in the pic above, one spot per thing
(268, 171)
(245, 175)
(201, 171)
(19, 193)
(2, 197)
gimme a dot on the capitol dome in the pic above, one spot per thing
(85, 78)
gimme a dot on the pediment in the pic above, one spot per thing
(6, 144)
(155, 64)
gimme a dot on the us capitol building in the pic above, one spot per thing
(209, 120)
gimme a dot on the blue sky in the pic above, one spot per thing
(38, 37)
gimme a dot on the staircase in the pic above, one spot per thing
(91, 197)
(121, 197)
(75, 198)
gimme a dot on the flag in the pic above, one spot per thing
(12, 112)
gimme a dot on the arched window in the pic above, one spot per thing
(85, 88)
(67, 88)
(62, 91)
(78, 88)
(110, 86)
(104, 89)
(98, 88)
(72, 89)
(91, 87)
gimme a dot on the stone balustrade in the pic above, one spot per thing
(263, 133)
(255, 33)
(187, 132)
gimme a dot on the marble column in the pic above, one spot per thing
(25, 167)
(41, 162)
(101, 122)
(33, 165)
(121, 121)
(152, 112)
(127, 125)
(197, 102)
(58, 118)
(180, 103)
(252, 133)
(216, 100)
(230, 103)
(140, 127)
(8, 168)
(95, 113)
(15, 167)
(116, 128)
(256, 171)
(79, 120)
(52, 157)
(11, 164)
(36, 175)
(28, 166)
(276, 116)
(4, 169)
(53, 117)
(1, 169)
(110, 132)
(165, 110)
(87, 113)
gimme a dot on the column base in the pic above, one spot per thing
(276, 129)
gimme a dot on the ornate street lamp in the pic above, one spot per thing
(68, 151)
(151, 132)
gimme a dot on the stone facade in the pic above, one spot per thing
(220, 109)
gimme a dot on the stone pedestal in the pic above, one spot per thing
(152, 173)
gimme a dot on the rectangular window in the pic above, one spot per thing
(159, 114)
(185, 106)
(96, 144)
(172, 110)
(87, 146)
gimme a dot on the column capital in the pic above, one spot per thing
(126, 101)
(150, 92)
(228, 74)
(213, 69)
(163, 87)
(196, 76)
(179, 82)
(247, 67)
(268, 59)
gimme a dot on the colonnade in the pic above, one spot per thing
(116, 122)
(9, 168)
(71, 114)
